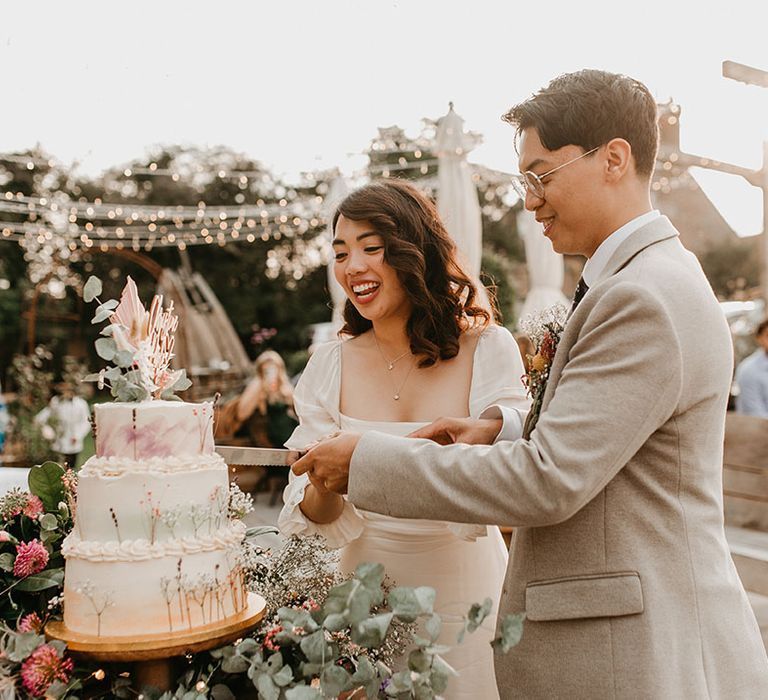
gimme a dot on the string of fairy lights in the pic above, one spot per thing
(58, 221)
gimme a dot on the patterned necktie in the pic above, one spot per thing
(581, 290)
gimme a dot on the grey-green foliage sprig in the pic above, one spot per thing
(303, 661)
(122, 377)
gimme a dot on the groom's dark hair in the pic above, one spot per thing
(588, 109)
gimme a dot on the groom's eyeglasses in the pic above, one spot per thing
(531, 182)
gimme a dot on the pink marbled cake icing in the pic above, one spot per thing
(153, 429)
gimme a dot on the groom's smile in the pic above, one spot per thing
(565, 205)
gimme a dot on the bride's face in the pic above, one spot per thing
(368, 281)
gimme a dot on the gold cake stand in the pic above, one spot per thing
(152, 655)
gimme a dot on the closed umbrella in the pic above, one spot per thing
(457, 201)
(545, 267)
(336, 192)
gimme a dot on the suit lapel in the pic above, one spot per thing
(658, 230)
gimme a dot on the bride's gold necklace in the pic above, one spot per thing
(390, 364)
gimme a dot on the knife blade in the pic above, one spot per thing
(258, 456)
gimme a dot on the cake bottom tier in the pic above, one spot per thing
(152, 596)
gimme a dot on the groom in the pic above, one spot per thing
(619, 557)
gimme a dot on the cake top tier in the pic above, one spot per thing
(153, 429)
(138, 343)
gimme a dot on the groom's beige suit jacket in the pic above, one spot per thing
(619, 557)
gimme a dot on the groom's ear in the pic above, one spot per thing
(618, 159)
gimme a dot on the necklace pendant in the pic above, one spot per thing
(390, 366)
(396, 397)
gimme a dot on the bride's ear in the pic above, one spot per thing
(618, 159)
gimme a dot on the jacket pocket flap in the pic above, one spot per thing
(596, 595)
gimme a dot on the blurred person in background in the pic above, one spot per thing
(65, 422)
(270, 395)
(752, 378)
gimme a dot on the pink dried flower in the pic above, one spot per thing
(269, 639)
(30, 623)
(31, 558)
(42, 667)
(34, 508)
(6, 536)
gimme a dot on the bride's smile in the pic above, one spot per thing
(368, 280)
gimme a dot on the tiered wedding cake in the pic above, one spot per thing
(154, 549)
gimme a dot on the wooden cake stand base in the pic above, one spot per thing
(152, 654)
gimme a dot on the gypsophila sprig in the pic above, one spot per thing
(240, 503)
(544, 329)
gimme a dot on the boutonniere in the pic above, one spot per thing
(544, 329)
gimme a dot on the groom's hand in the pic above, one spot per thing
(327, 462)
(471, 431)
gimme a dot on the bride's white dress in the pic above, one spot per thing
(464, 563)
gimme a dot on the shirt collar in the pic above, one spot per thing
(595, 265)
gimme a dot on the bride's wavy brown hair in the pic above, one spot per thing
(420, 250)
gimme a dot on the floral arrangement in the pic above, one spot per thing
(32, 526)
(544, 329)
(138, 342)
(325, 636)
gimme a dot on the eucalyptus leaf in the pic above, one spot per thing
(113, 373)
(45, 482)
(303, 692)
(20, 646)
(94, 377)
(401, 681)
(283, 677)
(335, 622)
(91, 289)
(441, 673)
(365, 670)
(359, 605)
(477, 613)
(106, 348)
(371, 632)
(267, 689)
(103, 312)
(404, 603)
(247, 646)
(108, 330)
(334, 680)
(124, 358)
(511, 632)
(433, 626)
(48, 521)
(419, 661)
(6, 561)
(235, 664)
(426, 597)
(315, 647)
(370, 575)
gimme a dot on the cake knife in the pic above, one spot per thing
(258, 456)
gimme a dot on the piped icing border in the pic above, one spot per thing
(117, 466)
(143, 550)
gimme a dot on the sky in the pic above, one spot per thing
(302, 85)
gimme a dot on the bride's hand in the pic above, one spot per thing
(470, 431)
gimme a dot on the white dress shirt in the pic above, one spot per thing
(513, 419)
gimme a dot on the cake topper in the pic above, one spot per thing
(138, 342)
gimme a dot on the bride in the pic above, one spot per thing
(416, 345)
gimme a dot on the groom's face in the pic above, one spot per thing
(572, 195)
